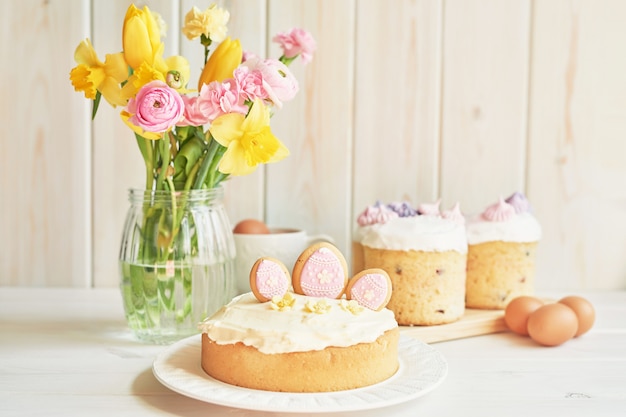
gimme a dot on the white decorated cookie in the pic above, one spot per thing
(371, 288)
(320, 271)
(269, 278)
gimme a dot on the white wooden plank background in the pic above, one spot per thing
(462, 100)
(397, 102)
(577, 141)
(45, 167)
(484, 101)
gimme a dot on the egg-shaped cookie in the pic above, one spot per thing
(371, 288)
(320, 271)
(269, 277)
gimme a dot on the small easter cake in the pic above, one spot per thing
(378, 213)
(316, 331)
(501, 256)
(424, 252)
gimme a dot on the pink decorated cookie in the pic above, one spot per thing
(320, 271)
(370, 288)
(268, 278)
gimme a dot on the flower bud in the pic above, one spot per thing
(174, 79)
(222, 62)
(141, 38)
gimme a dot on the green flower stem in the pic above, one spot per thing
(154, 162)
(164, 150)
(176, 218)
(220, 176)
(149, 165)
(160, 230)
(170, 184)
(173, 146)
(206, 42)
(286, 60)
(175, 221)
(191, 176)
(213, 171)
(206, 164)
(147, 152)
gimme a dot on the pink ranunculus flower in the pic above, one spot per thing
(296, 42)
(217, 98)
(250, 83)
(156, 108)
(246, 55)
(193, 114)
(278, 81)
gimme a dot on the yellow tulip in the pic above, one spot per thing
(92, 75)
(222, 62)
(141, 38)
(249, 141)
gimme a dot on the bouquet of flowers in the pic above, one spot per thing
(177, 247)
(192, 139)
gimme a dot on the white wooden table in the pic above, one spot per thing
(67, 352)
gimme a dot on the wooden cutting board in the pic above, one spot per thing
(473, 323)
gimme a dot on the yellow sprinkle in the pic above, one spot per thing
(351, 306)
(283, 303)
(317, 307)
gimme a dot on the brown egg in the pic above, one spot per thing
(584, 311)
(251, 227)
(552, 324)
(517, 312)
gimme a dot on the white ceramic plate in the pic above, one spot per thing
(422, 369)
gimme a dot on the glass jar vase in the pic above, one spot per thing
(176, 262)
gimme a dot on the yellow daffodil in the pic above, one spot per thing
(141, 132)
(177, 68)
(211, 23)
(222, 62)
(249, 140)
(174, 71)
(92, 75)
(142, 76)
(141, 38)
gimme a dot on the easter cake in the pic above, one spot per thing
(316, 331)
(502, 242)
(424, 252)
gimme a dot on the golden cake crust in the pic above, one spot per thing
(428, 287)
(330, 369)
(498, 272)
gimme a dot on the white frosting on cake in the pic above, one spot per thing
(522, 227)
(420, 233)
(256, 324)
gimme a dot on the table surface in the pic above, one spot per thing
(66, 352)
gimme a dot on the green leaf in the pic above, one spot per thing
(147, 152)
(188, 155)
(143, 146)
(96, 103)
(184, 132)
(163, 146)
